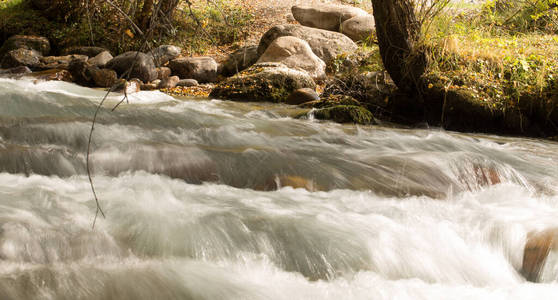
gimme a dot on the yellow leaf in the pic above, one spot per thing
(129, 33)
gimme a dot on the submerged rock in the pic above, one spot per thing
(15, 72)
(302, 96)
(345, 114)
(325, 16)
(295, 54)
(537, 249)
(53, 75)
(327, 45)
(21, 57)
(272, 82)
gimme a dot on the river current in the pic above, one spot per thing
(219, 200)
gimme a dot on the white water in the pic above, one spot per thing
(402, 214)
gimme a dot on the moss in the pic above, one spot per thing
(345, 114)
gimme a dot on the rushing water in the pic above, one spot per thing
(200, 204)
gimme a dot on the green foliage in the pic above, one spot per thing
(522, 15)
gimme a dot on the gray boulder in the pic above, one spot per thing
(134, 65)
(240, 60)
(21, 57)
(165, 53)
(101, 59)
(272, 82)
(359, 28)
(28, 42)
(203, 69)
(89, 51)
(169, 82)
(295, 54)
(325, 16)
(59, 62)
(187, 82)
(327, 45)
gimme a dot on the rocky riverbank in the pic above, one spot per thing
(321, 58)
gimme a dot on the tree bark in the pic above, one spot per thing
(398, 33)
(145, 15)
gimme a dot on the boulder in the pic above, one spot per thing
(272, 82)
(538, 247)
(327, 45)
(59, 62)
(128, 86)
(53, 75)
(325, 16)
(187, 82)
(15, 72)
(21, 57)
(240, 60)
(302, 96)
(84, 50)
(169, 82)
(101, 59)
(163, 72)
(203, 69)
(148, 86)
(295, 54)
(102, 77)
(164, 53)
(28, 42)
(134, 64)
(359, 28)
(345, 114)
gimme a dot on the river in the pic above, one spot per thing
(221, 200)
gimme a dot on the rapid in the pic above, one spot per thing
(209, 199)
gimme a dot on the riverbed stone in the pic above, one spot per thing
(15, 72)
(345, 114)
(52, 75)
(325, 16)
(203, 69)
(143, 65)
(89, 51)
(59, 62)
(103, 77)
(21, 57)
(240, 60)
(296, 54)
(327, 45)
(28, 42)
(302, 96)
(187, 82)
(359, 28)
(169, 82)
(165, 53)
(163, 73)
(272, 82)
(538, 247)
(101, 59)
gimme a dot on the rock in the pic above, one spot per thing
(21, 57)
(302, 96)
(59, 62)
(28, 42)
(15, 72)
(163, 73)
(102, 77)
(101, 59)
(240, 60)
(295, 54)
(148, 86)
(538, 247)
(85, 50)
(332, 100)
(165, 53)
(359, 28)
(53, 75)
(276, 182)
(290, 18)
(345, 114)
(327, 45)
(203, 69)
(128, 86)
(156, 82)
(169, 82)
(272, 82)
(325, 16)
(80, 72)
(187, 82)
(142, 66)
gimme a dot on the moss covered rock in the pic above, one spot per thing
(272, 82)
(332, 100)
(345, 114)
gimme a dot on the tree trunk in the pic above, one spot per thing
(398, 33)
(145, 15)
